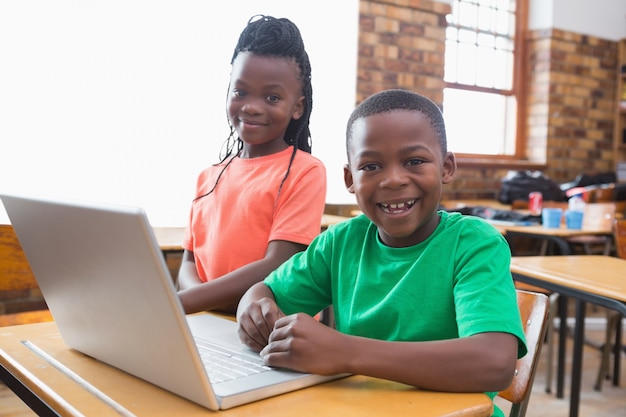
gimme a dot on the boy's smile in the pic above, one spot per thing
(397, 170)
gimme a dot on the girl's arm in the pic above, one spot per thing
(187, 273)
(224, 293)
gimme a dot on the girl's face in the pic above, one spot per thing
(396, 170)
(265, 95)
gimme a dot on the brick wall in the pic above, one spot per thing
(571, 87)
(571, 102)
(401, 45)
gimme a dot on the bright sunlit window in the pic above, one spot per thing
(480, 101)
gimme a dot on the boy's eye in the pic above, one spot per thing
(415, 162)
(238, 93)
(369, 167)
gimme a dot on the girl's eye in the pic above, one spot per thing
(238, 93)
(273, 99)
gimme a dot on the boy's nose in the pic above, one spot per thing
(394, 177)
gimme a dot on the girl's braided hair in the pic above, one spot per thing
(274, 37)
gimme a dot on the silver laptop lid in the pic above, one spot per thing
(107, 286)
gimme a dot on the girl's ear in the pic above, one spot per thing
(298, 110)
(449, 168)
(347, 179)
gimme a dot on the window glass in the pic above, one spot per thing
(480, 76)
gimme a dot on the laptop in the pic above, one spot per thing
(107, 286)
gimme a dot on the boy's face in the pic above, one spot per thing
(397, 171)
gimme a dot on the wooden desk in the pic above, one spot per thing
(331, 219)
(23, 370)
(558, 236)
(586, 278)
(170, 239)
(456, 204)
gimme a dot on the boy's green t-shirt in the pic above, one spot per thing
(457, 283)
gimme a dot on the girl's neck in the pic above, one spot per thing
(257, 151)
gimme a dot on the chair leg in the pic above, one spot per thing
(611, 323)
(550, 341)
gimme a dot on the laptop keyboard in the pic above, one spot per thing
(223, 364)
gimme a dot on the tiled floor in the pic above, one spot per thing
(611, 402)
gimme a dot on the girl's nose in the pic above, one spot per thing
(251, 106)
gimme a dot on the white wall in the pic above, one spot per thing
(124, 101)
(604, 19)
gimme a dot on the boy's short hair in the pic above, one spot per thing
(398, 99)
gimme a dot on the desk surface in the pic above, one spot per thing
(562, 231)
(594, 274)
(171, 238)
(353, 396)
(587, 278)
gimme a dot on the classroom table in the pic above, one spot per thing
(170, 239)
(559, 236)
(595, 279)
(50, 392)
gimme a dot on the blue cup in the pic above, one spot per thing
(574, 219)
(551, 217)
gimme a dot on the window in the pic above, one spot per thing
(481, 102)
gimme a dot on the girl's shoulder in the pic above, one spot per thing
(308, 159)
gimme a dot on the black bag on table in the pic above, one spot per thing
(518, 184)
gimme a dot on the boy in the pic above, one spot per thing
(420, 296)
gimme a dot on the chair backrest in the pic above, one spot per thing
(619, 234)
(601, 194)
(534, 309)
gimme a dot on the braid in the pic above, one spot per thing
(269, 36)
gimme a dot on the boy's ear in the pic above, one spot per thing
(298, 110)
(347, 179)
(449, 168)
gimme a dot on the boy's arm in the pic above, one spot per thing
(226, 291)
(256, 314)
(483, 362)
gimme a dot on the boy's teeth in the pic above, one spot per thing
(398, 206)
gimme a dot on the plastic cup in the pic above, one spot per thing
(574, 219)
(551, 217)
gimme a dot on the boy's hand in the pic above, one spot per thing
(301, 343)
(256, 322)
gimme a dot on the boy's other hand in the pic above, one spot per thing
(256, 322)
(301, 343)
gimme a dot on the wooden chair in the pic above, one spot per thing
(601, 194)
(18, 282)
(534, 309)
(613, 317)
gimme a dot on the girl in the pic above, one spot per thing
(264, 201)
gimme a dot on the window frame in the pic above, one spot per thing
(518, 89)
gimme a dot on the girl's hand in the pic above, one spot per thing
(301, 343)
